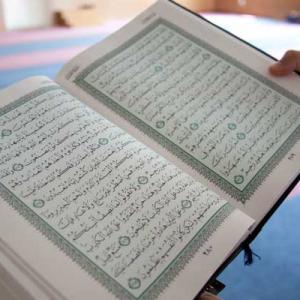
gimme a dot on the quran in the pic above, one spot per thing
(143, 168)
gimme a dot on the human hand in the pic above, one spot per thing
(287, 64)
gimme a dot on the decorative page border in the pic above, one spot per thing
(257, 180)
(161, 282)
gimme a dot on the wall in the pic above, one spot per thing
(128, 8)
(121, 4)
(72, 4)
(198, 5)
(26, 13)
(2, 26)
(38, 13)
(122, 9)
(269, 8)
(105, 10)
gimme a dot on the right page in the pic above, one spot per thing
(201, 98)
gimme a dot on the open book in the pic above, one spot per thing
(145, 166)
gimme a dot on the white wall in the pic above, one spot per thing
(2, 27)
(26, 13)
(69, 4)
(22, 14)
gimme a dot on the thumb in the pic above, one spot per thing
(289, 62)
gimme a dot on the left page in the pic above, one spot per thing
(129, 218)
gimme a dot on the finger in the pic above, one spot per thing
(290, 62)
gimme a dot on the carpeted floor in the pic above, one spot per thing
(277, 275)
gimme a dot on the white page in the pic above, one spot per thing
(91, 76)
(131, 219)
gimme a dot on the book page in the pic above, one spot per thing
(130, 218)
(212, 114)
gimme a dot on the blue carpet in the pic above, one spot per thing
(277, 274)
(49, 45)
